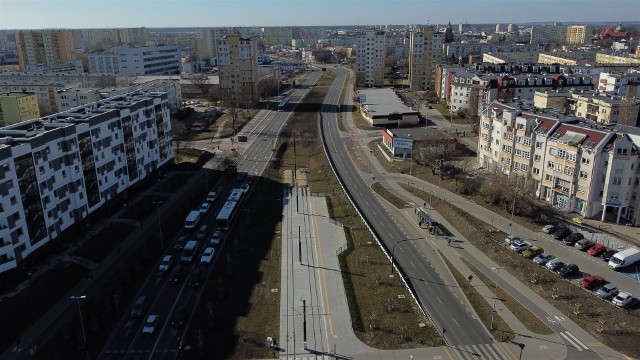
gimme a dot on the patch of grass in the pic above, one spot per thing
(387, 195)
(19, 312)
(528, 319)
(102, 243)
(483, 309)
(360, 121)
(444, 110)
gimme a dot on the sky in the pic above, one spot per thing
(39, 14)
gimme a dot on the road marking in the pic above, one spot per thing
(324, 275)
(574, 341)
(505, 346)
(439, 300)
(454, 320)
(446, 351)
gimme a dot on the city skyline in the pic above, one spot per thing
(226, 13)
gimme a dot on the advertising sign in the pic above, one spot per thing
(403, 142)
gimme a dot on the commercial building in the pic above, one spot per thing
(17, 107)
(383, 107)
(579, 34)
(138, 60)
(407, 141)
(574, 164)
(238, 70)
(46, 47)
(370, 56)
(425, 51)
(57, 170)
(103, 62)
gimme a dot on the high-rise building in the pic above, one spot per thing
(59, 169)
(46, 47)
(578, 34)
(280, 35)
(425, 52)
(238, 70)
(548, 34)
(135, 61)
(18, 106)
(370, 56)
(512, 28)
(107, 38)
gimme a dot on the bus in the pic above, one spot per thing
(236, 195)
(226, 215)
(282, 106)
(189, 251)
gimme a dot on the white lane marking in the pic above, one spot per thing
(575, 345)
(439, 300)
(454, 320)
(576, 340)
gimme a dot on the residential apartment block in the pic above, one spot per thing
(17, 107)
(574, 165)
(579, 34)
(101, 62)
(46, 47)
(238, 70)
(370, 56)
(603, 58)
(56, 170)
(548, 34)
(619, 84)
(277, 35)
(425, 51)
(105, 38)
(138, 60)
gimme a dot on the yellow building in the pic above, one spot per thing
(553, 99)
(46, 47)
(578, 34)
(16, 107)
(238, 75)
(615, 59)
(606, 110)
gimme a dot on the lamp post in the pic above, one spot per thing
(513, 208)
(393, 250)
(495, 292)
(157, 203)
(84, 335)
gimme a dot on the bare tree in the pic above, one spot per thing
(266, 84)
(629, 107)
(201, 81)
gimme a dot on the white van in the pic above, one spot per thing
(624, 258)
(192, 220)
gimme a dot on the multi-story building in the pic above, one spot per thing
(603, 58)
(425, 52)
(149, 60)
(457, 50)
(59, 169)
(566, 58)
(238, 70)
(106, 38)
(578, 34)
(206, 42)
(43, 90)
(278, 35)
(510, 57)
(605, 110)
(46, 47)
(619, 84)
(17, 107)
(370, 56)
(87, 80)
(101, 62)
(573, 164)
(548, 34)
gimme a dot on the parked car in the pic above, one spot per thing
(150, 325)
(592, 282)
(166, 263)
(207, 255)
(204, 208)
(180, 316)
(606, 256)
(568, 270)
(572, 239)
(560, 234)
(511, 238)
(597, 250)
(555, 264)
(175, 275)
(194, 278)
(608, 291)
(622, 300)
(216, 237)
(548, 229)
(543, 258)
(180, 243)
(584, 244)
(520, 246)
(532, 252)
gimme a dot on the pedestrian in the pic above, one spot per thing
(449, 241)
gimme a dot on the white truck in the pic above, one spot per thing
(624, 258)
(192, 220)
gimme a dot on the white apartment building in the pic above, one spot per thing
(238, 70)
(573, 165)
(425, 51)
(370, 56)
(619, 84)
(103, 63)
(43, 90)
(149, 60)
(548, 34)
(58, 169)
(457, 50)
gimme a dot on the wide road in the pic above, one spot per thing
(446, 311)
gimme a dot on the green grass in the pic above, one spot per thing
(444, 110)
(394, 200)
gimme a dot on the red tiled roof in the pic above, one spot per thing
(592, 135)
(610, 32)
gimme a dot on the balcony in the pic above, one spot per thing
(561, 188)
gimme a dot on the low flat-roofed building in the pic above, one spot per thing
(383, 107)
(406, 141)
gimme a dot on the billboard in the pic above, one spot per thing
(402, 142)
(362, 96)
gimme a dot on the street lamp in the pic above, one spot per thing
(495, 292)
(157, 203)
(513, 208)
(84, 335)
(393, 250)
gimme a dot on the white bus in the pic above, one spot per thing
(189, 251)
(226, 215)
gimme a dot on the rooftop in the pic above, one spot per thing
(382, 102)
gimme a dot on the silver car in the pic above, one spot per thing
(543, 258)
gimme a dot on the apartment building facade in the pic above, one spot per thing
(573, 165)
(278, 35)
(579, 34)
(149, 60)
(619, 84)
(548, 34)
(425, 52)
(238, 70)
(370, 56)
(58, 169)
(17, 107)
(103, 63)
(46, 47)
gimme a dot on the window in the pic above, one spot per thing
(538, 144)
(536, 171)
(536, 158)
(550, 164)
(584, 175)
(586, 161)
(548, 177)
(553, 151)
(617, 180)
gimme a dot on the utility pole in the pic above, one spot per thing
(299, 246)
(304, 322)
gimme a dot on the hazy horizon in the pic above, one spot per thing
(75, 14)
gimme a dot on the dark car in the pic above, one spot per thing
(584, 244)
(606, 256)
(561, 233)
(194, 277)
(568, 270)
(175, 275)
(180, 316)
(573, 238)
(182, 240)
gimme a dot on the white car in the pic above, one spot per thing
(216, 237)
(548, 229)
(510, 239)
(554, 264)
(212, 196)
(519, 246)
(207, 255)
(166, 262)
(204, 208)
(150, 325)
(622, 300)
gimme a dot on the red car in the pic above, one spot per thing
(597, 250)
(592, 282)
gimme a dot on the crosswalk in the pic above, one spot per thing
(571, 339)
(479, 351)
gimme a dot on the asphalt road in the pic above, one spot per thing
(441, 304)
